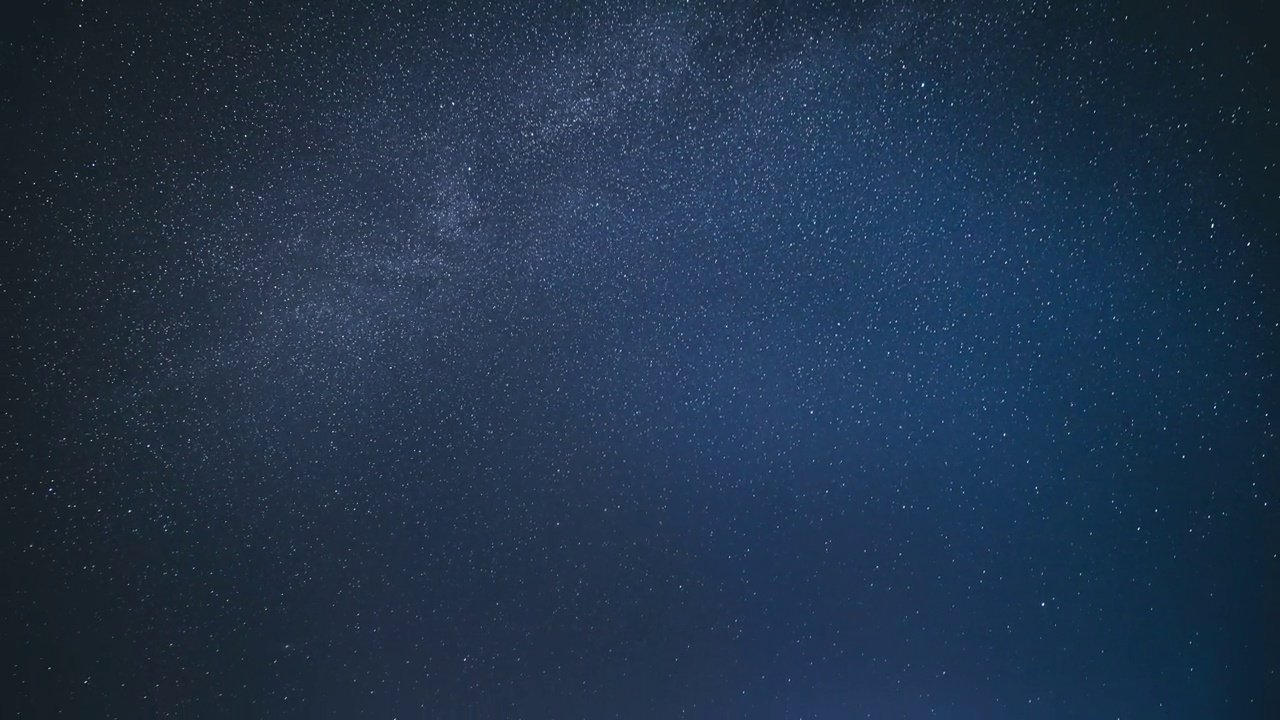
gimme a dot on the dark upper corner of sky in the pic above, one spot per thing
(208, 68)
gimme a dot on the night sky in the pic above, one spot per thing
(586, 360)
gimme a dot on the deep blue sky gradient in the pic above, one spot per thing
(603, 360)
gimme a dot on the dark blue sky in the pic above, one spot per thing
(615, 360)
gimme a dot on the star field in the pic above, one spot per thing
(640, 360)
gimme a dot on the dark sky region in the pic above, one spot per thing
(578, 360)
